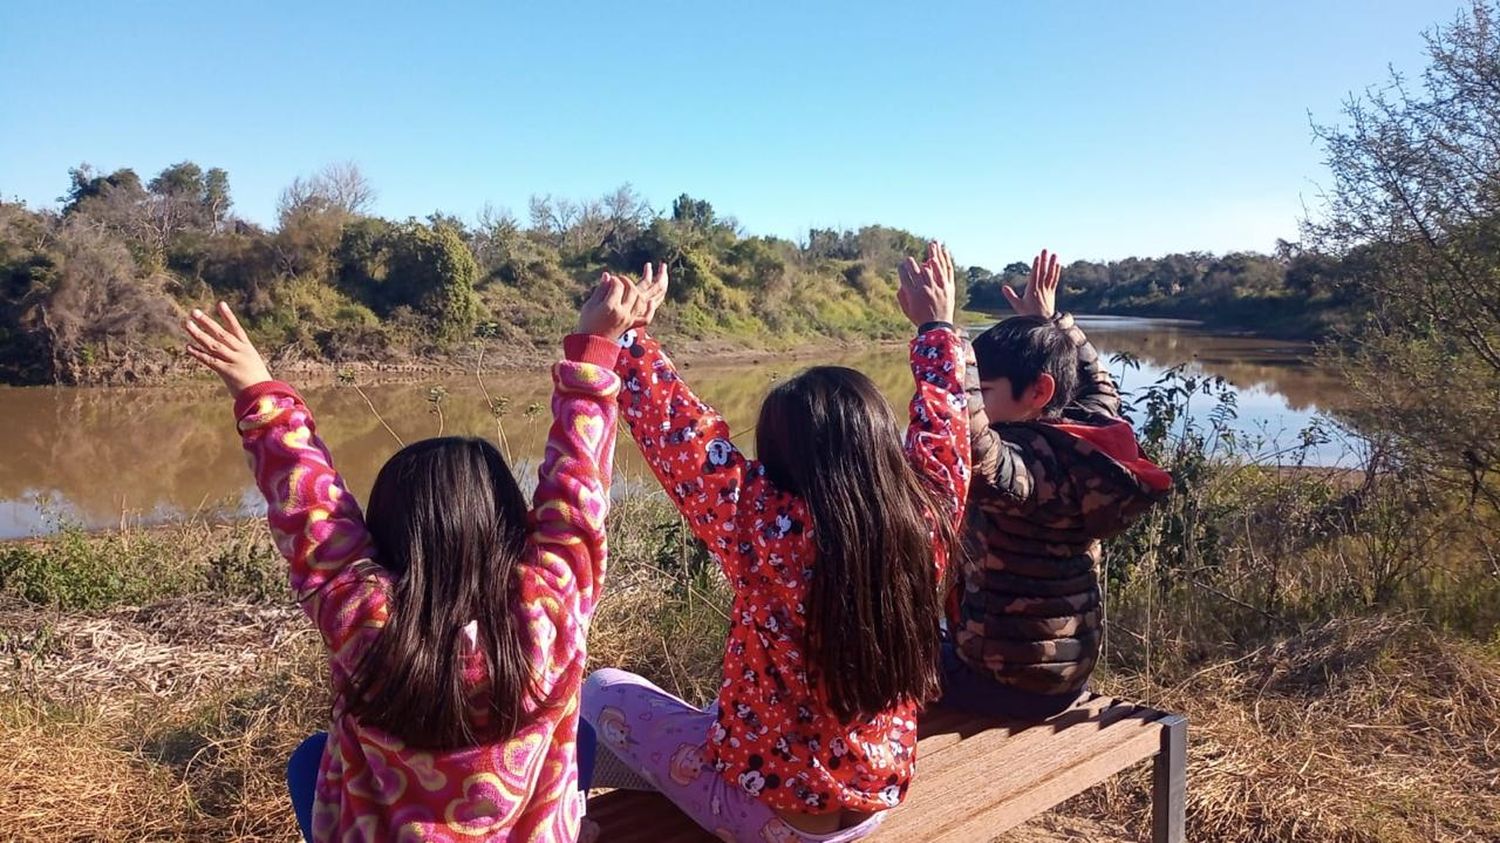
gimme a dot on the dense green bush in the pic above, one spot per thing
(75, 570)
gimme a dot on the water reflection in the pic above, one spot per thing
(98, 456)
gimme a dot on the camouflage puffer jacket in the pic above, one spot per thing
(1043, 496)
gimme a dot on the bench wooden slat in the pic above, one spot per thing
(981, 751)
(983, 794)
(974, 778)
(943, 729)
(1039, 796)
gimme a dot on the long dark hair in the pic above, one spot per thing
(829, 437)
(449, 523)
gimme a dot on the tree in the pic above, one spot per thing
(216, 201)
(312, 213)
(1416, 186)
(86, 303)
(426, 268)
(184, 179)
(337, 188)
(695, 213)
(87, 183)
(626, 214)
(437, 268)
(179, 201)
(553, 218)
(828, 243)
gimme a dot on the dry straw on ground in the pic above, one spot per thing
(169, 722)
(174, 651)
(1369, 729)
(173, 721)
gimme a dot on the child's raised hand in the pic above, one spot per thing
(926, 293)
(226, 351)
(1040, 297)
(653, 290)
(613, 308)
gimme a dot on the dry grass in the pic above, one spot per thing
(170, 722)
(1365, 729)
(174, 651)
(173, 721)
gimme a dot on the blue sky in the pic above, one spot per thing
(1101, 130)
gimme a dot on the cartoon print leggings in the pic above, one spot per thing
(665, 740)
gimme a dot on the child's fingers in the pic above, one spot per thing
(909, 271)
(630, 297)
(600, 290)
(934, 274)
(614, 292)
(212, 327)
(648, 285)
(233, 322)
(205, 358)
(206, 342)
(653, 294)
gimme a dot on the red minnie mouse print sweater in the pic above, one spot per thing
(775, 736)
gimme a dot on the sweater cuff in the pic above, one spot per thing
(588, 348)
(248, 396)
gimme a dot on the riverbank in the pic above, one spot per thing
(500, 358)
(492, 359)
(1285, 320)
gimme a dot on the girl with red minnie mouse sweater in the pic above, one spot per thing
(834, 541)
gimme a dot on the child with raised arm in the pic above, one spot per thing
(1056, 470)
(455, 617)
(834, 542)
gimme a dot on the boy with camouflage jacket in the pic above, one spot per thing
(1056, 469)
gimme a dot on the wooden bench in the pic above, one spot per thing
(976, 779)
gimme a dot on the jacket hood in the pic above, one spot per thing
(1117, 482)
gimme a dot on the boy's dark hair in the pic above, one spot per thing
(829, 437)
(1021, 349)
(449, 524)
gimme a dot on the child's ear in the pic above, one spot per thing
(1042, 391)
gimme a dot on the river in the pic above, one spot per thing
(101, 457)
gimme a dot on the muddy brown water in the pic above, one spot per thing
(98, 456)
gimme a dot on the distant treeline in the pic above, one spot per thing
(89, 292)
(1291, 293)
